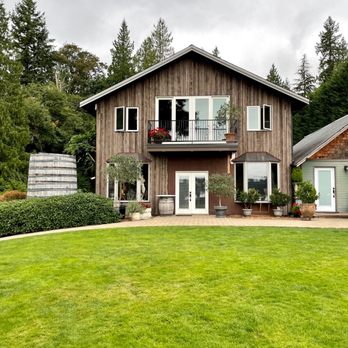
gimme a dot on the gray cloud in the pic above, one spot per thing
(250, 33)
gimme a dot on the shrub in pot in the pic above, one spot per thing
(248, 199)
(221, 185)
(279, 199)
(134, 210)
(296, 175)
(307, 193)
(229, 114)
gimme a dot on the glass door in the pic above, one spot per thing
(191, 193)
(324, 179)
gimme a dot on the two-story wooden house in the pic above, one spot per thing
(182, 95)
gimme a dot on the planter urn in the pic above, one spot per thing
(307, 210)
(278, 212)
(220, 211)
(247, 212)
(135, 216)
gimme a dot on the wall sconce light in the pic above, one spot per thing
(346, 168)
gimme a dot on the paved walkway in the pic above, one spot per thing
(205, 220)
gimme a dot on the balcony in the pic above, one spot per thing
(189, 135)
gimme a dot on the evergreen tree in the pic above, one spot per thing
(332, 49)
(305, 83)
(274, 77)
(31, 42)
(162, 41)
(327, 103)
(216, 52)
(14, 134)
(78, 71)
(145, 56)
(286, 84)
(121, 66)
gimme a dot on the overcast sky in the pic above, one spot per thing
(252, 34)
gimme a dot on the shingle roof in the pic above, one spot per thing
(256, 157)
(313, 142)
(203, 53)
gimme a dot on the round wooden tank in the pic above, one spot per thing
(51, 174)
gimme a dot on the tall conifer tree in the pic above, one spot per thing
(331, 49)
(216, 52)
(274, 77)
(122, 65)
(145, 56)
(31, 42)
(162, 41)
(14, 132)
(305, 82)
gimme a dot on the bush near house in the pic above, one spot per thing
(40, 214)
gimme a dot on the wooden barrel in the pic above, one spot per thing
(166, 205)
(51, 174)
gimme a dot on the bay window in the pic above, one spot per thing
(138, 191)
(262, 176)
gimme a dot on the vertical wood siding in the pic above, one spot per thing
(191, 76)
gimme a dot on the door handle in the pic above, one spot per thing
(333, 192)
(190, 195)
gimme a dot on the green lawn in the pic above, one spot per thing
(176, 287)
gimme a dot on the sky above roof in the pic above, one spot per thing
(252, 34)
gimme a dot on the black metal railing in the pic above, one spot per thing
(160, 131)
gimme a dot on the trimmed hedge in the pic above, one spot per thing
(41, 214)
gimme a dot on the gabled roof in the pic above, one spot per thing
(256, 157)
(203, 53)
(315, 141)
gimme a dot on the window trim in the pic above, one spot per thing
(115, 119)
(127, 119)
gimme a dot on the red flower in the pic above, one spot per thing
(159, 134)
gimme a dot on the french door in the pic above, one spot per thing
(324, 181)
(191, 193)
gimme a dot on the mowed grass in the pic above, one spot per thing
(176, 287)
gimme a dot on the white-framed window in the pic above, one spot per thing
(262, 176)
(132, 119)
(119, 119)
(259, 117)
(126, 119)
(125, 192)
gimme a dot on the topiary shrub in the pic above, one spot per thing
(13, 195)
(296, 175)
(40, 214)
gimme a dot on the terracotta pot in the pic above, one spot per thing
(307, 210)
(230, 137)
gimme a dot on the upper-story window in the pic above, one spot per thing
(259, 118)
(126, 119)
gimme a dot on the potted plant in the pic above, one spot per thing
(158, 135)
(279, 200)
(230, 115)
(296, 177)
(307, 193)
(134, 210)
(147, 211)
(248, 199)
(221, 185)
